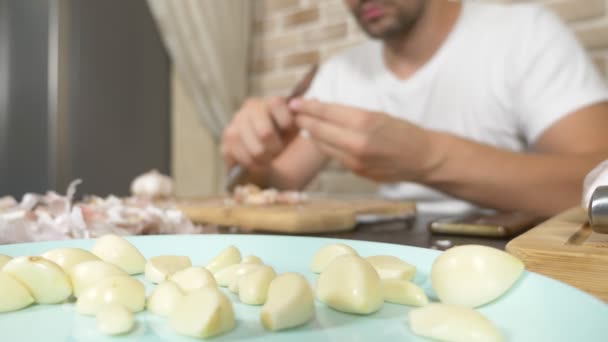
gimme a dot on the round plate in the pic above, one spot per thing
(535, 309)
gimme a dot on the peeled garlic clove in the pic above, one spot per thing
(115, 319)
(122, 290)
(403, 292)
(193, 278)
(253, 287)
(230, 274)
(328, 253)
(159, 268)
(67, 258)
(390, 267)
(13, 295)
(233, 286)
(120, 252)
(290, 303)
(350, 284)
(4, 259)
(89, 273)
(452, 324)
(474, 275)
(164, 298)
(44, 279)
(203, 313)
(251, 259)
(227, 257)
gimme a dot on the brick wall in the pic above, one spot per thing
(289, 35)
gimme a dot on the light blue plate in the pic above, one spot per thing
(536, 309)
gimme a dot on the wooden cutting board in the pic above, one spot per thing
(567, 249)
(315, 216)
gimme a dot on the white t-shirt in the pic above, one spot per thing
(504, 74)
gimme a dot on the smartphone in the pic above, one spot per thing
(498, 225)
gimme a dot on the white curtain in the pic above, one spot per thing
(208, 41)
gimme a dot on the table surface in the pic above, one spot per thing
(412, 232)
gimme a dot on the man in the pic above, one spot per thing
(497, 105)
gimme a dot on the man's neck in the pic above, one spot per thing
(406, 54)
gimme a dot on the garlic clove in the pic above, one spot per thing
(290, 303)
(233, 286)
(403, 292)
(251, 259)
(159, 268)
(13, 295)
(350, 284)
(193, 278)
(474, 275)
(120, 252)
(230, 274)
(89, 273)
(390, 267)
(122, 290)
(227, 257)
(328, 253)
(44, 279)
(67, 258)
(4, 259)
(452, 324)
(253, 287)
(203, 313)
(152, 184)
(115, 319)
(164, 298)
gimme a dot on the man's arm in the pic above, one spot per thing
(545, 181)
(383, 148)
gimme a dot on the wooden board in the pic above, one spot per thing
(567, 249)
(314, 216)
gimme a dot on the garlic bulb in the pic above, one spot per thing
(152, 184)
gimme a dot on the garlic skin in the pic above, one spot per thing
(159, 268)
(164, 298)
(115, 319)
(89, 273)
(120, 252)
(290, 303)
(452, 323)
(474, 275)
(227, 257)
(44, 279)
(253, 287)
(13, 295)
(403, 292)
(193, 278)
(327, 254)
(350, 284)
(122, 290)
(152, 184)
(203, 313)
(67, 258)
(391, 267)
(4, 259)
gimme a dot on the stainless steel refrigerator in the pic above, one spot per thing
(84, 93)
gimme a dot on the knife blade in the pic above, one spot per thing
(237, 172)
(598, 210)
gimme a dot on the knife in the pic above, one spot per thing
(598, 210)
(238, 173)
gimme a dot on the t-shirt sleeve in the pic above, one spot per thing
(553, 75)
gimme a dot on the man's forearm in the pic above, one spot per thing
(542, 184)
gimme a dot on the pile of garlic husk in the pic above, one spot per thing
(57, 217)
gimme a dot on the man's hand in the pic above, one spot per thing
(372, 145)
(258, 133)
